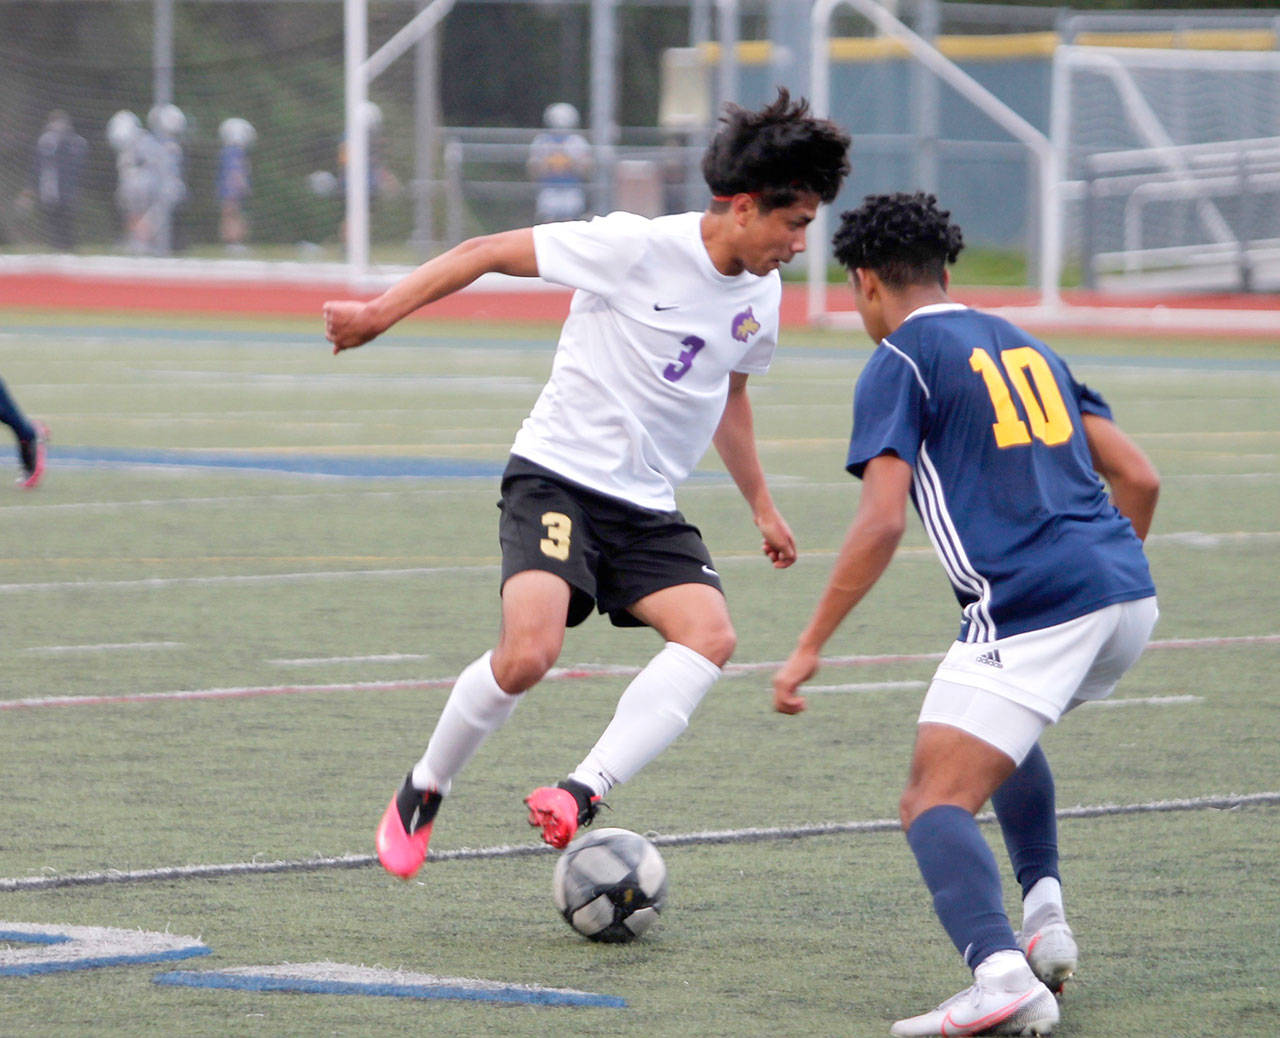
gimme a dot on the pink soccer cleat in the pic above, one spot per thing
(559, 810)
(405, 829)
(32, 454)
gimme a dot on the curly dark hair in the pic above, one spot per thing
(905, 238)
(778, 153)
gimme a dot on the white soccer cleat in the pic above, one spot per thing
(1005, 999)
(1052, 954)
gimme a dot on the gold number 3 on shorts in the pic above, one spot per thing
(556, 543)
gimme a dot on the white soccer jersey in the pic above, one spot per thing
(641, 372)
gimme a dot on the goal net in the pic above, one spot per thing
(1171, 166)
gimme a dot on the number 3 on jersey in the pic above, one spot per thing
(555, 544)
(1045, 409)
(676, 371)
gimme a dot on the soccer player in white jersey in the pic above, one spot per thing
(668, 319)
(1004, 455)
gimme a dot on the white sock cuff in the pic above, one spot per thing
(692, 658)
(480, 698)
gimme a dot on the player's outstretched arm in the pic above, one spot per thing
(1134, 482)
(866, 553)
(349, 323)
(735, 442)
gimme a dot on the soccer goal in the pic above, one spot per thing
(1035, 144)
(1171, 166)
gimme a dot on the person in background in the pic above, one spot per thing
(32, 436)
(560, 162)
(235, 183)
(60, 155)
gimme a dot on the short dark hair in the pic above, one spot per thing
(905, 238)
(778, 153)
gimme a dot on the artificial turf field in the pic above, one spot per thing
(232, 611)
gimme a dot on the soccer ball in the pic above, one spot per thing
(610, 885)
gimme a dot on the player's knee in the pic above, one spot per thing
(520, 667)
(717, 643)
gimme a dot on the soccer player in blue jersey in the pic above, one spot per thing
(1008, 460)
(32, 437)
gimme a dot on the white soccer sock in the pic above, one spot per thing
(1042, 904)
(476, 707)
(653, 711)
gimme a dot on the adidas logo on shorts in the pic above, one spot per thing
(991, 659)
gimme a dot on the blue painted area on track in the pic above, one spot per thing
(456, 990)
(295, 464)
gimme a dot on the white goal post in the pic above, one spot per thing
(1050, 250)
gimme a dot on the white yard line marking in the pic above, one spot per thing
(151, 583)
(53, 650)
(1188, 538)
(867, 686)
(1145, 701)
(557, 674)
(751, 835)
(239, 500)
(384, 657)
(233, 692)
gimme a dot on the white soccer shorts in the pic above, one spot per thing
(1006, 692)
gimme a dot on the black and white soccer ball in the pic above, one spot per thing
(610, 885)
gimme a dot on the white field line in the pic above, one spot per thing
(1100, 704)
(238, 500)
(54, 650)
(382, 657)
(152, 583)
(1226, 802)
(792, 484)
(587, 670)
(1187, 538)
(867, 686)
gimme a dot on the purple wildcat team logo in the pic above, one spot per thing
(744, 325)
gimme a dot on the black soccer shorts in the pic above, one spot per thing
(611, 553)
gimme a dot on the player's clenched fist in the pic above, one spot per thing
(346, 324)
(801, 665)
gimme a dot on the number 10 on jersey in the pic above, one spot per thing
(1045, 409)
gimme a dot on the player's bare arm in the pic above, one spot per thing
(735, 442)
(865, 554)
(1134, 482)
(350, 323)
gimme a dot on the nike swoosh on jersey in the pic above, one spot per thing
(710, 572)
(672, 306)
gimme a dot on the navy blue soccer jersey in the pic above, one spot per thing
(990, 421)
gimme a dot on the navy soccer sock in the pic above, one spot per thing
(12, 417)
(1024, 806)
(961, 874)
